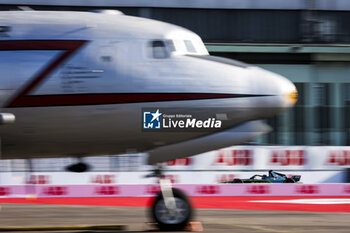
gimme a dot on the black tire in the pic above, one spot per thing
(289, 180)
(185, 215)
(239, 181)
(78, 167)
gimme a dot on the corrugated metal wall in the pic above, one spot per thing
(241, 26)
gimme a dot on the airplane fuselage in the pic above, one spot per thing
(77, 83)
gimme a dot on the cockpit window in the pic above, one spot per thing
(189, 46)
(166, 48)
(159, 50)
(170, 45)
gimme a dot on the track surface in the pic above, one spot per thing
(247, 203)
(213, 220)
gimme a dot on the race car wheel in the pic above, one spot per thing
(289, 180)
(172, 221)
(237, 181)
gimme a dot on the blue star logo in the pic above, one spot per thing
(151, 120)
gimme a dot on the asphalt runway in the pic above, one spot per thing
(213, 220)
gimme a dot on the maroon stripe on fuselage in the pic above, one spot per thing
(41, 44)
(68, 47)
(118, 98)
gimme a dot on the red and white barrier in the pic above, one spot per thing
(191, 190)
(315, 164)
(274, 157)
(176, 176)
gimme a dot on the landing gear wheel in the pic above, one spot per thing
(172, 220)
(78, 167)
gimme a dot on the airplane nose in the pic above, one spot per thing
(292, 96)
(285, 90)
(282, 91)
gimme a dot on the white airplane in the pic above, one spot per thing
(78, 83)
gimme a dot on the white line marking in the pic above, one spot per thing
(309, 201)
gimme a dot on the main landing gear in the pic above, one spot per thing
(78, 167)
(171, 210)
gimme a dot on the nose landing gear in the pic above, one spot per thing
(170, 219)
(171, 210)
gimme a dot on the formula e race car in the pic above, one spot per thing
(273, 177)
